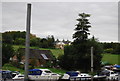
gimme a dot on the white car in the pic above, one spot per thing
(18, 77)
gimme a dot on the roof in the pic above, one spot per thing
(40, 54)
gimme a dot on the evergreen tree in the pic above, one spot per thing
(78, 55)
(82, 29)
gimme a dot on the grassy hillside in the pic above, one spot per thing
(111, 58)
(55, 52)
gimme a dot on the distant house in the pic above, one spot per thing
(61, 44)
(38, 57)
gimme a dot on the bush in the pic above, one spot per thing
(110, 50)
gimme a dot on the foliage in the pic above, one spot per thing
(19, 41)
(7, 52)
(18, 38)
(35, 42)
(10, 37)
(111, 47)
(19, 54)
(77, 56)
(82, 29)
(117, 49)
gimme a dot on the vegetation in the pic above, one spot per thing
(74, 57)
(111, 58)
(56, 52)
(77, 56)
(7, 52)
(113, 47)
(18, 38)
(13, 68)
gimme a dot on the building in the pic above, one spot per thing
(36, 57)
(61, 44)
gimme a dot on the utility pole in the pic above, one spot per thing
(92, 63)
(27, 50)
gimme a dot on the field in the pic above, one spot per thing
(111, 58)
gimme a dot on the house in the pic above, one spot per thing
(61, 44)
(36, 57)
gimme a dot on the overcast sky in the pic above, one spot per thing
(59, 18)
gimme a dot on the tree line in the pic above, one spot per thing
(112, 47)
(18, 38)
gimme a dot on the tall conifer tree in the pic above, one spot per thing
(82, 29)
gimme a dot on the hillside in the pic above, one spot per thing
(55, 52)
(110, 58)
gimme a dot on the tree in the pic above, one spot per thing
(82, 29)
(19, 41)
(77, 56)
(7, 52)
(35, 42)
(50, 40)
(7, 38)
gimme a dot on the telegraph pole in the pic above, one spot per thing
(27, 50)
(92, 63)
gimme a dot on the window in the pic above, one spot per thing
(44, 56)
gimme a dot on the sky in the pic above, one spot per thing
(59, 18)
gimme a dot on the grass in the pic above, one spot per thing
(111, 58)
(12, 68)
(56, 52)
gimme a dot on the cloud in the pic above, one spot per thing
(59, 19)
